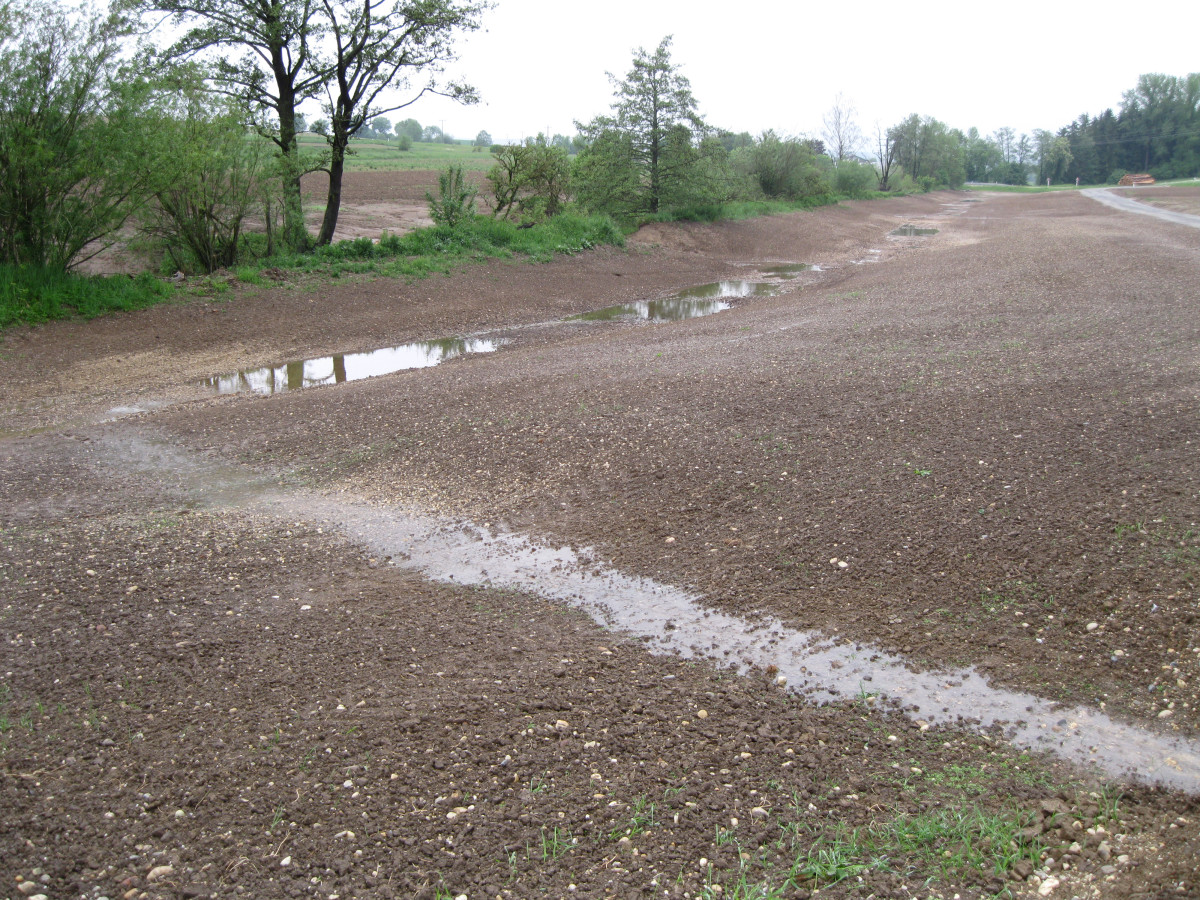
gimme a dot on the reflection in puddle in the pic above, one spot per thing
(347, 366)
(913, 231)
(785, 270)
(691, 303)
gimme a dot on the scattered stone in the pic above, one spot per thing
(158, 873)
(1047, 887)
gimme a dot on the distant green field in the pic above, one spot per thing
(371, 155)
(1041, 188)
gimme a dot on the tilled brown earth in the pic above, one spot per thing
(974, 448)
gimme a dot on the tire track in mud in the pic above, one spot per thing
(670, 620)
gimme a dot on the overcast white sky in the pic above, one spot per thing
(756, 64)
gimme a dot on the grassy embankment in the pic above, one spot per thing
(1042, 189)
(32, 296)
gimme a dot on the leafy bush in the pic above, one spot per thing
(455, 202)
(854, 179)
(784, 168)
(404, 144)
(210, 174)
(531, 180)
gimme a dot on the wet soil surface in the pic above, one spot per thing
(971, 449)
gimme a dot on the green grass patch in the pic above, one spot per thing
(751, 209)
(30, 295)
(375, 155)
(947, 846)
(1028, 188)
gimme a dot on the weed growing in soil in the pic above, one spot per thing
(951, 844)
(555, 842)
(642, 816)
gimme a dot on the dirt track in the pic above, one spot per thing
(992, 428)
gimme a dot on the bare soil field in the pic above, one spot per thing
(229, 670)
(373, 202)
(1178, 197)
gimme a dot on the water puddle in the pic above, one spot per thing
(691, 303)
(912, 231)
(344, 367)
(674, 621)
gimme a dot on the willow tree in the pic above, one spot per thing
(74, 144)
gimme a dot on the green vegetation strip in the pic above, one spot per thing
(31, 295)
(426, 251)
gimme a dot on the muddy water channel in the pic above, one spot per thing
(674, 621)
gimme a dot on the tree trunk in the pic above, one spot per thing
(333, 200)
(295, 236)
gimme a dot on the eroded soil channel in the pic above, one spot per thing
(675, 621)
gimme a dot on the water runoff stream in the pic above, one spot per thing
(675, 621)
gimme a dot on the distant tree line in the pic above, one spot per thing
(194, 137)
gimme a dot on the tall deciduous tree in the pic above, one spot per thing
(659, 131)
(929, 151)
(885, 155)
(410, 128)
(273, 64)
(841, 135)
(379, 49)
